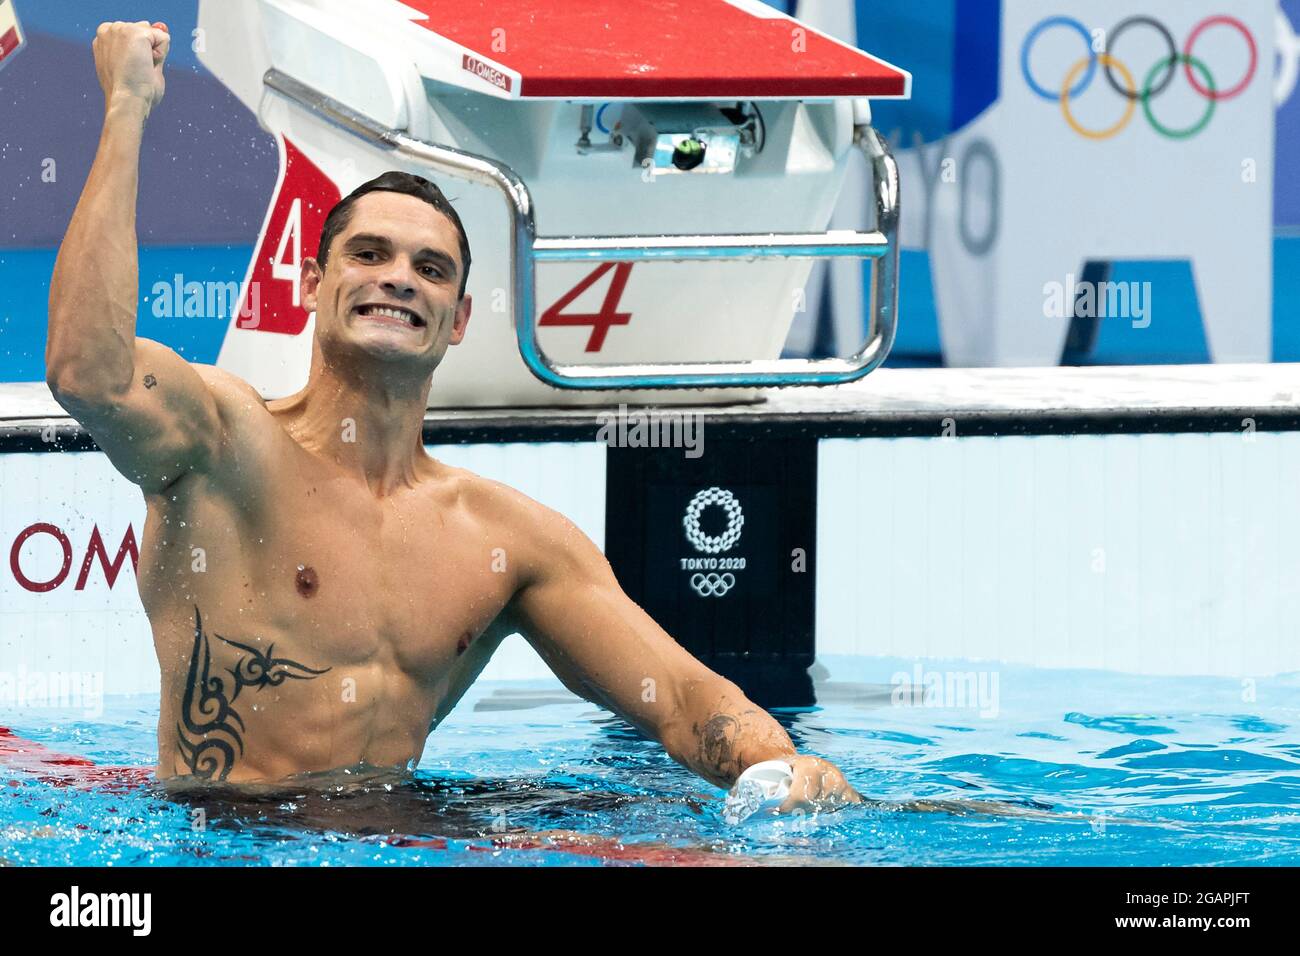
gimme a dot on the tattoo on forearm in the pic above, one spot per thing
(215, 730)
(718, 745)
(150, 381)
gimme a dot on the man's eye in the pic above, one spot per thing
(366, 252)
(433, 269)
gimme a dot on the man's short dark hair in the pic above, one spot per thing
(407, 184)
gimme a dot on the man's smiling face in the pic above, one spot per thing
(391, 282)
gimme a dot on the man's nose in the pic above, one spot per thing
(399, 279)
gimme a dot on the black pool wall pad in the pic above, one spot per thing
(720, 550)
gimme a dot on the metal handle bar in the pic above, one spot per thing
(526, 250)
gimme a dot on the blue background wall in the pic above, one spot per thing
(206, 174)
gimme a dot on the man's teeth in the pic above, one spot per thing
(401, 316)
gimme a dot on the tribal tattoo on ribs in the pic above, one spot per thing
(211, 731)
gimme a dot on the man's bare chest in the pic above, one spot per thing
(338, 580)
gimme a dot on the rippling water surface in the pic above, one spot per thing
(1047, 767)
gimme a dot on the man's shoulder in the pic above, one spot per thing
(495, 501)
(232, 394)
(541, 534)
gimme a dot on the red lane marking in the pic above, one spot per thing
(431, 843)
(66, 770)
(602, 848)
(608, 848)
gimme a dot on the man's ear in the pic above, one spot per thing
(309, 283)
(462, 319)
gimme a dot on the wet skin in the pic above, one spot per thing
(338, 611)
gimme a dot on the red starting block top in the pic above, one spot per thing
(654, 49)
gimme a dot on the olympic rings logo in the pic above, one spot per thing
(712, 544)
(1081, 74)
(712, 585)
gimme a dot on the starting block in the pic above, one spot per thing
(11, 32)
(667, 171)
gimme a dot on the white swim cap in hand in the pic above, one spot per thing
(764, 786)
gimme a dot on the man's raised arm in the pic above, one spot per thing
(605, 648)
(146, 407)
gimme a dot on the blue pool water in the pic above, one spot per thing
(1047, 768)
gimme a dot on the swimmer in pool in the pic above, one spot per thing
(321, 591)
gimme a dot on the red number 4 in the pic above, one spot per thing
(608, 315)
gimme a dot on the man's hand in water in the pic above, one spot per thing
(818, 786)
(606, 649)
(129, 61)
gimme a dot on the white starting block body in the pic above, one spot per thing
(566, 123)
